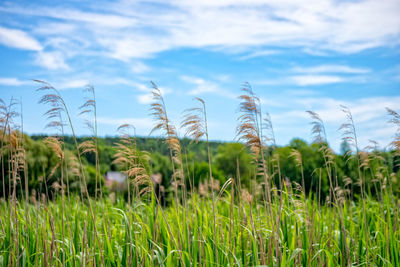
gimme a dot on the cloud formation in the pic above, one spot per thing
(51, 60)
(305, 80)
(11, 81)
(331, 69)
(202, 86)
(18, 39)
(126, 30)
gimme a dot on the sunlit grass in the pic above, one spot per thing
(138, 235)
(265, 223)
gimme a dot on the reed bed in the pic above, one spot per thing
(268, 223)
(136, 235)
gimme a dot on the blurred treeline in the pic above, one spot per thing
(230, 160)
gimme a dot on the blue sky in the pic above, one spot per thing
(297, 55)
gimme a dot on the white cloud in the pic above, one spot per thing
(51, 60)
(145, 99)
(103, 20)
(331, 69)
(8, 81)
(54, 28)
(315, 51)
(202, 86)
(261, 53)
(305, 80)
(72, 14)
(144, 96)
(19, 39)
(127, 30)
(319, 75)
(73, 84)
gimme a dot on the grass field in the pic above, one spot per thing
(144, 235)
(268, 223)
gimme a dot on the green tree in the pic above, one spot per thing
(231, 156)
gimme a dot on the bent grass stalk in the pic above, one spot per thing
(54, 98)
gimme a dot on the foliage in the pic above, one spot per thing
(229, 157)
(138, 235)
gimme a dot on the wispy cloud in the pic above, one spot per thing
(326, 74)
(318, 75)
(202, 86)
(260, 53)
(73, 84)
(9, 81)
(18, 39)
(331, 69)
(305, 80)
(51, 60)
(123, 31)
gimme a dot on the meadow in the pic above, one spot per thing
(257, 216)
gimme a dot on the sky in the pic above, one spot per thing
(297, 55)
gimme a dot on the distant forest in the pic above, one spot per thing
(226, 156)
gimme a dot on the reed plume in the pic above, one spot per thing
(249, 130)
(319, 133)
(159, 113)
(195, 122)
(58, 107)
(8, 114)
(350, 136)
(132, 161)
(163, 124)
(90, 108)
(299, 163)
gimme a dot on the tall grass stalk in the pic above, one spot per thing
(265, 224)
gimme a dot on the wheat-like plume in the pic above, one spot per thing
(89, 108)
(297, 156)
(57, 105)
(248, 129)
(159, 113)
(53, 98)
(194, 122)
(349, 132)
(318, 128)
(56, 146)
(350, 136)
(131, 160)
